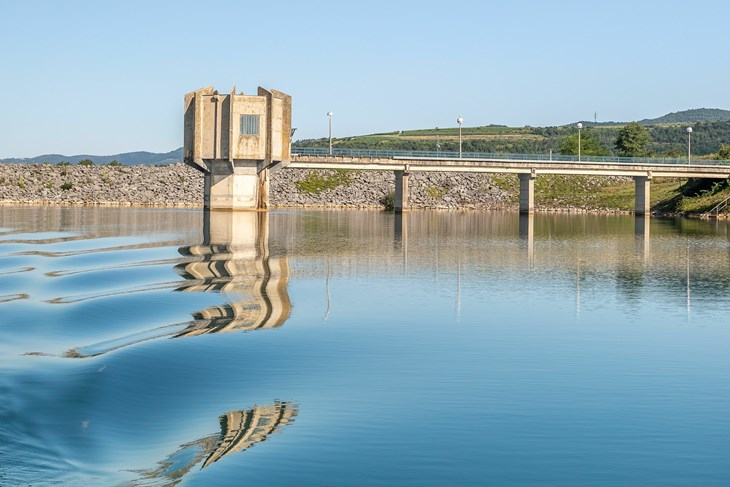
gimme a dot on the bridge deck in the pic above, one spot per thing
(497, 165)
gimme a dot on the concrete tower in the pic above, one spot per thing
(236, 140)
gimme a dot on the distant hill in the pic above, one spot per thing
(711, 125)
(127, 158)
(690, 116)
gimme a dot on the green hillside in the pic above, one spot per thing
(669, 138)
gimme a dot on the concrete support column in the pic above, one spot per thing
(263, 190)
(234, 186)
(642, 195)
(527, 193)
(401, 191)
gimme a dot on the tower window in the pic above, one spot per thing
(250, 124)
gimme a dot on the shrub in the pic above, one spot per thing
(115, 163)
(66, 186)
(388, 200)
(86, 162)
(724, 152)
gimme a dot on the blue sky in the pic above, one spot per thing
(100, 77)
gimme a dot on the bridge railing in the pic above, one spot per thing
(419, 154)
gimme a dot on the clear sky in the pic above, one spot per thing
(102, 77)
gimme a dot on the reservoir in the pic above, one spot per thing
(178, 347)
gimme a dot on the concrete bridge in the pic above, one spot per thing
(527, 167)
(238, 140)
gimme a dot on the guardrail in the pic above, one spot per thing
(394, 154)
(716, 209)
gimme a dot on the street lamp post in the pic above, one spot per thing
(689, 145)
(460, 120)
(329, 114)
(580, 126)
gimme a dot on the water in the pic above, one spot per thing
(159, 347)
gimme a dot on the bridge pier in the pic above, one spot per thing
(642, 195)
(401, 191)
(527, 193)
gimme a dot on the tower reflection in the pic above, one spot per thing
(235, 260)
(240, 430)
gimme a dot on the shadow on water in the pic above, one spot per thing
(233, 260)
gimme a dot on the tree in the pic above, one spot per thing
(86, 162)
(633, 140)
(724, 153)
(589, 145)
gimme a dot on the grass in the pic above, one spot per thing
(597, 193)
(436, 192)
(465, 131)
(694, 197)
(319, 181)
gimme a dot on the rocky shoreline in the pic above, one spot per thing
(178, 185)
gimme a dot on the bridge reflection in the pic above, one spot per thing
(240, 430)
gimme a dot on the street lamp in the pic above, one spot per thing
(329, 114)
(580, 126)
(689, 145)
(460, 120)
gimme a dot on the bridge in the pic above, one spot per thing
(238, 140)
(526, 166)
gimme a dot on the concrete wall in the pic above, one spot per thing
(249, 146)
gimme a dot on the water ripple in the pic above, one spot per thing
(17, 271)
(13, 297)
(145, 264)
(139, 289)
(117, 248)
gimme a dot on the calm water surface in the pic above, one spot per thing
(150, 347)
